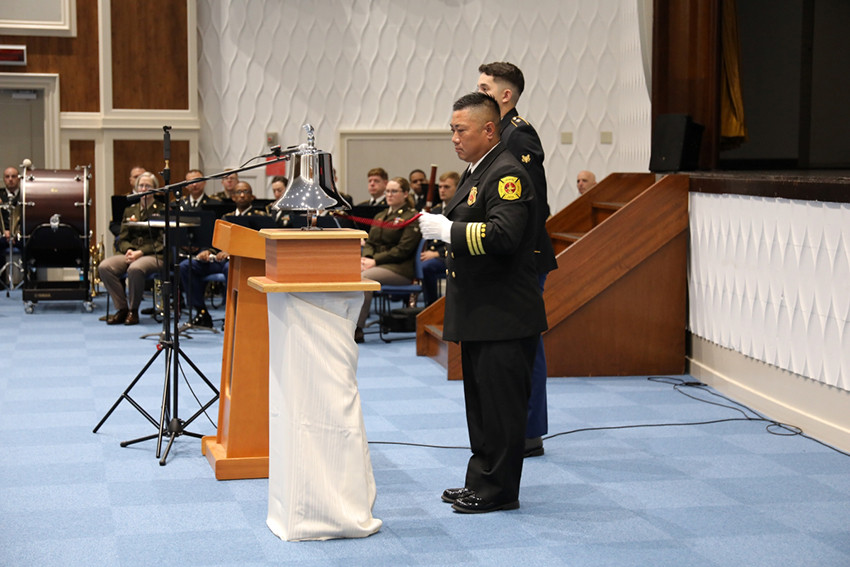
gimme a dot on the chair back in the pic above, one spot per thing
(417, 261)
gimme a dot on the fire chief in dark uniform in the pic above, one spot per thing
(493, 302)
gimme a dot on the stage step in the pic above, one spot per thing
(430, 343)
(601, 210)
(630, 269)
(566, 238)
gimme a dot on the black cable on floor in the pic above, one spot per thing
(773, 427)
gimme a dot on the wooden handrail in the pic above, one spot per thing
(617, 187)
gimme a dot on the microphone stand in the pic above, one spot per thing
(169, 424)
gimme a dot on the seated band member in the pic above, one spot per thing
(228, 186)
(193, 194)
(377, 179)
(243, 196)
(281, 218)
(135, 172)
(434, 252)
(10, 213)
(418, 188)
(388, 254)
(192, 273)
(213, 261)
(585, 181)
(140, 248)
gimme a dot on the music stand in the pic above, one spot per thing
(254, 222)
(220, 209)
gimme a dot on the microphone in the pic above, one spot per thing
(277, 151)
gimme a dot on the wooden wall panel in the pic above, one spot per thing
(82, 153)
(686, 67)
(637, 326)
(148, 154)
(150, 55)
(75, 59)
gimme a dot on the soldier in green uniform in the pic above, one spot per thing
(140, 248)
(389, 253)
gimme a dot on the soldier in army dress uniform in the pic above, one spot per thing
(389, 253)
(493, 302)
(140, 248)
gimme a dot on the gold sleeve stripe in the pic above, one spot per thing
(479, 234)
(474, 232)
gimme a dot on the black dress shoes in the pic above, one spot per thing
(203, 319)
(118, 317)
(132, 317)
(452, 494)
(475, 505)
(148, 311)
(533, 447)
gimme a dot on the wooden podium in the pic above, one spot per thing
(240, 449)
(321, 484)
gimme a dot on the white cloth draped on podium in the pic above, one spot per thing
(321, 484)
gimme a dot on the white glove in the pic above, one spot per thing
(435, 227)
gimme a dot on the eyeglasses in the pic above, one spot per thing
(392, 191)
(144, 186)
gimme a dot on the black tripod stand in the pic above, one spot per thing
(169, 425)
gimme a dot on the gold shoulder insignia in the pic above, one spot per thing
(526, 158)
(519, 120)
(510, 188)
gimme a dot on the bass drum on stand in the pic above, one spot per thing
(55, 226)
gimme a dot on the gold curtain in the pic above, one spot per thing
(733, 124)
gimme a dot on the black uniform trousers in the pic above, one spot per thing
(496, 386)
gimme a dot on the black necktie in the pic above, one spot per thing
(463, 177)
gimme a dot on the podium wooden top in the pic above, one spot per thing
(324, 234)
(238, 240)
(266, 285)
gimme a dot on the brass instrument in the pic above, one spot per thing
(97, 253)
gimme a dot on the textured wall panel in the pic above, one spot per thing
(770, 278)
(266, 65)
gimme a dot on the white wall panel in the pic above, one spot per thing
(770, 278)
(270, 65)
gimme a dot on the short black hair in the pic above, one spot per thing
(483, 101)
(281, 179)
(416, 171)
(507, 72)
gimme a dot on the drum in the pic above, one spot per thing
(60, 196)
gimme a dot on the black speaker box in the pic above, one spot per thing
(676, 143)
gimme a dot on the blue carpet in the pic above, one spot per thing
(712, 495)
